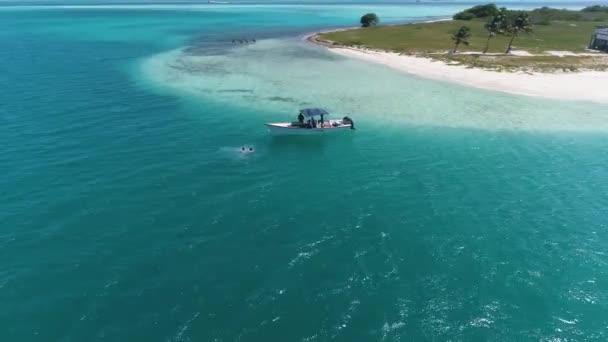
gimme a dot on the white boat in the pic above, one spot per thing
(309, 124)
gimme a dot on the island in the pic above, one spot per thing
(548, 53)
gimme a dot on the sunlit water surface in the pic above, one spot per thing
(130, 213)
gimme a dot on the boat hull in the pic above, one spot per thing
(281, 129)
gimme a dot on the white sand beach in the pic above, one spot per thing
(582, 86)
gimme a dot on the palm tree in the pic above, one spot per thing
(462, 36)
(520, 22)
(495, 26)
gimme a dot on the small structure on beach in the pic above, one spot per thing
(599, 39)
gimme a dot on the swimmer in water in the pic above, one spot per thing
(251, 149)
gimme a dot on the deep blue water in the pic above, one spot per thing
(129, 214)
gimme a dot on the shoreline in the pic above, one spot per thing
(575, 86)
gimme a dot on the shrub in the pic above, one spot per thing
(596, 8)
(480, 11)
(464, 15)
(549, 14)
(369, 19)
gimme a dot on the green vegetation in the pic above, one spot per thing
(481, 11)
(538, 16)
(433, 37)
(432, 40)
(461, 37)
(369, 19)
(546, 14)
(518, 22)
(495, 25)
(596, 8)
(526, 63)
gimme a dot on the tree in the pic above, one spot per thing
(480, 11)
(519, 22)
(495, 26)
(596, 8)
(464, 15)
(370, 19)
(461, 37)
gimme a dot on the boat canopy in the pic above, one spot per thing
(309, 112)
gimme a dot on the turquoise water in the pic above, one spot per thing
(129, 213)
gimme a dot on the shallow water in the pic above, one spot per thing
(130, 212)
(279, 75)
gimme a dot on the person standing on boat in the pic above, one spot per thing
(301, 118)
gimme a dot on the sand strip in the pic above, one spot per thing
(581, 86)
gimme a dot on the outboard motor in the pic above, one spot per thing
(346, 120)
